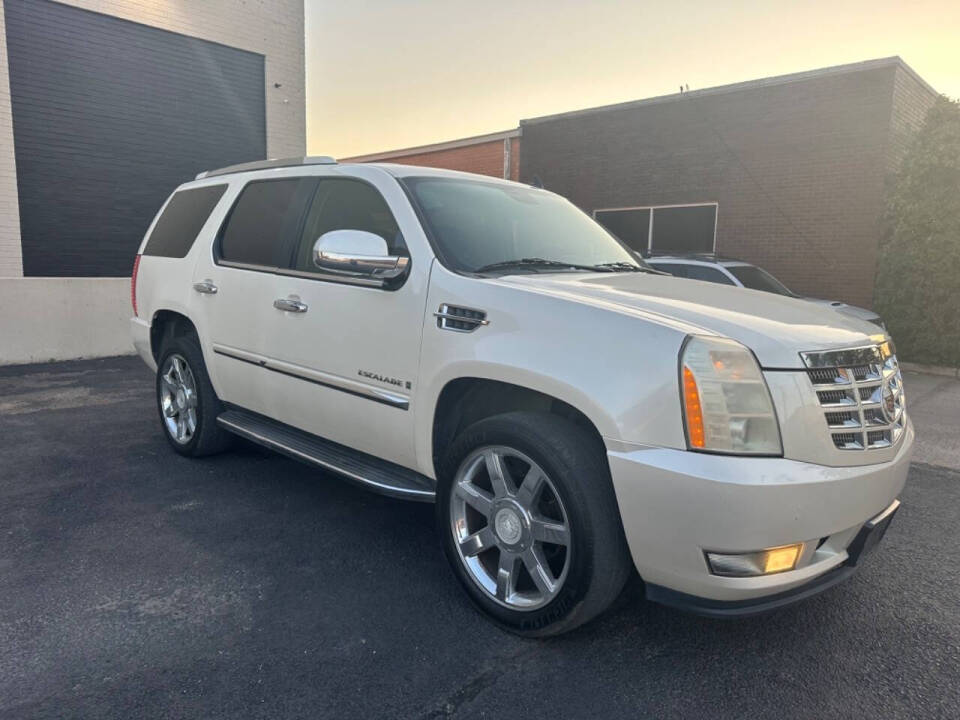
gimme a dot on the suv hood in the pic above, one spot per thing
(853, 310)
(775, 327)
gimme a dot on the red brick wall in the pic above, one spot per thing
(797, 168)
(482, 158)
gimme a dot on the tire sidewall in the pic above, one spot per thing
(562, 610)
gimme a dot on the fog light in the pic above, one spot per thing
(762, 562)
(780, 559)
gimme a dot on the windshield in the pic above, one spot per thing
(757, 279)
(477, 225)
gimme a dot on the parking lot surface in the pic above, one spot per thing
(136, 583)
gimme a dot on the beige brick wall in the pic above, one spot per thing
(273, 28)
(10, 259)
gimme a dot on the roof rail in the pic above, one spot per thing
(267, 164)
(702, 256)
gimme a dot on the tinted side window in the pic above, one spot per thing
(702, 272)
(181, 220)
(341, 204)
(672, 268)
(259, 221)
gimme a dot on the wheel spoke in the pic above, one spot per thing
(539, 571)
(481, 540)
(499, 475)
(191, 421)
(475, 498)
(550, 531)
(506, 575)
(168, 409)
(530, 487)
(178, 370)
(181, 428)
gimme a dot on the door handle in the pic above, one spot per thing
(290, 305)
(206, 287)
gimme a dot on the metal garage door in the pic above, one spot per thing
(108, 117)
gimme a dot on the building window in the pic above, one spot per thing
(664, 228)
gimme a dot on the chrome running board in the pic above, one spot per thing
(368, 471)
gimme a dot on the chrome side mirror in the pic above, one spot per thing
(357, 254)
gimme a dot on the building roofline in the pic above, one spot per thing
(435, 147)
(893, 61)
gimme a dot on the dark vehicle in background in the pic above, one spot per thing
(728, 271)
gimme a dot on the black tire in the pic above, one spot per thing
(208, 438)
(575, 461)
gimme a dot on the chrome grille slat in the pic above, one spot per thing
(861, 393)
(835, 398)
(843, 419)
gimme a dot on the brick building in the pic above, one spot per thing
(495, 154)
(105, 107)
(786, 172)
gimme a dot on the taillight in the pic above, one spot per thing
(133, 285)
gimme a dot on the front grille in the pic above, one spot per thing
(861, 393)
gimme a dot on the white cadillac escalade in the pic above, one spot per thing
(486, 346)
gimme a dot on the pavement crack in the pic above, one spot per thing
(479, 682)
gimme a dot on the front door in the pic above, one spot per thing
(348, 352)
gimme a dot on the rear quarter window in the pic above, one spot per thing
(181, 221)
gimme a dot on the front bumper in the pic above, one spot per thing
(866, 539)
(677, 505)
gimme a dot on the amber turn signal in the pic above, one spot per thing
(694, 413)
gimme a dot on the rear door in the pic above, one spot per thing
(235, 286)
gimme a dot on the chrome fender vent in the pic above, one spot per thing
(460, 319)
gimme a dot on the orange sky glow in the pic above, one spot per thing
(387, 74)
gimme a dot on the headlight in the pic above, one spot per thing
(727, 405)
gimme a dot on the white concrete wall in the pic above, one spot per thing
(43, 319)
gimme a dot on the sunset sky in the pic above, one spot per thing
(387, 74)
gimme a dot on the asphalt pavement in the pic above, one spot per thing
(136, 584)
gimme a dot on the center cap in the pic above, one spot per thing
(181, 398)
(508, 526)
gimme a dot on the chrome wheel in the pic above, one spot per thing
(510, 528)
(178, 398)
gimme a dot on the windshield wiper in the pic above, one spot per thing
(538, 262)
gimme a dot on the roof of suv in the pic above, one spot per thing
(312, 160)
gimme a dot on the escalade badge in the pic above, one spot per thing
(384, 379)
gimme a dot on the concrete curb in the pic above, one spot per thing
(931, 369)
